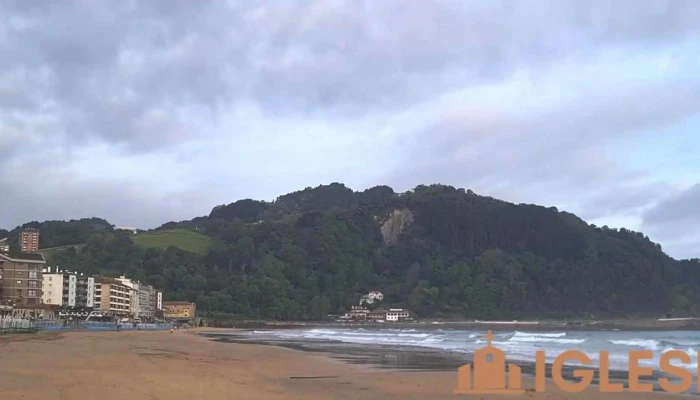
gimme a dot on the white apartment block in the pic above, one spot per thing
(133, 294)
(67, 289)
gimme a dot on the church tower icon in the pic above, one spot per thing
(489, 373)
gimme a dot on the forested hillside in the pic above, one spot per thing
(437, 250)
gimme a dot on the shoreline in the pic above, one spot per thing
(421, 359)
(682, 324)
(185, 365)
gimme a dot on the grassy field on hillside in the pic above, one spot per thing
(50, 251)
(180, 238)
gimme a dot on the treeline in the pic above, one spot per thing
(316, 251)
(61, 233)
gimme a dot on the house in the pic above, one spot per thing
(371, 297)
(179, 310)
(20, 278)
(357, 313)
(397, 314)
(377, 315)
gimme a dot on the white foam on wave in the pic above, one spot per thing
(647, 344)
(519, 346)
(539, 334)
(546, 340)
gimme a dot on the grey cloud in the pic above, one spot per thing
(674, 220)
(678, 215)
(64, 198)
(561, 148)
(112, 64)
(624, 200)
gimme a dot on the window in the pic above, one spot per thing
(50, 278)
(33, 275)
(31, 293)
(19, 273)
(19, 282)
(32, 284)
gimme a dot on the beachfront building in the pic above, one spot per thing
(397, 314)
(112, 296)
(20, 278)
(179, 310)
(356, 313)
(377, 315)
(145, 299)
(148, 301)
(134, 300)
(67, 289)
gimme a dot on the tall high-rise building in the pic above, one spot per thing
(29, 241)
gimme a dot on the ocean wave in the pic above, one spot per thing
(647, 344)
(539, 334)
(519, 346)
(536, 339)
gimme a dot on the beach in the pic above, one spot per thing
(186, 365)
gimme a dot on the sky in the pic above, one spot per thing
(143, 112)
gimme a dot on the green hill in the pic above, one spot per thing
(438, 250)
(181, 238)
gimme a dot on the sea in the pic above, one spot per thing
(420, 347)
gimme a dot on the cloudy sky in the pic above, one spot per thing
(143, 112)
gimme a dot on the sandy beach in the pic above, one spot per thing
(183, 365)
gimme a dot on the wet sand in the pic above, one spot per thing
(185, 365)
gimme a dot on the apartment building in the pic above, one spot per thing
(135, 288)
(29, 241)
(179, 310)
(112, 296)
(21, 278)
(148, 301)
(67, 289)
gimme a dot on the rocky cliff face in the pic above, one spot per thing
(397, 223)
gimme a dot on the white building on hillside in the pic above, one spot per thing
(371, 298)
